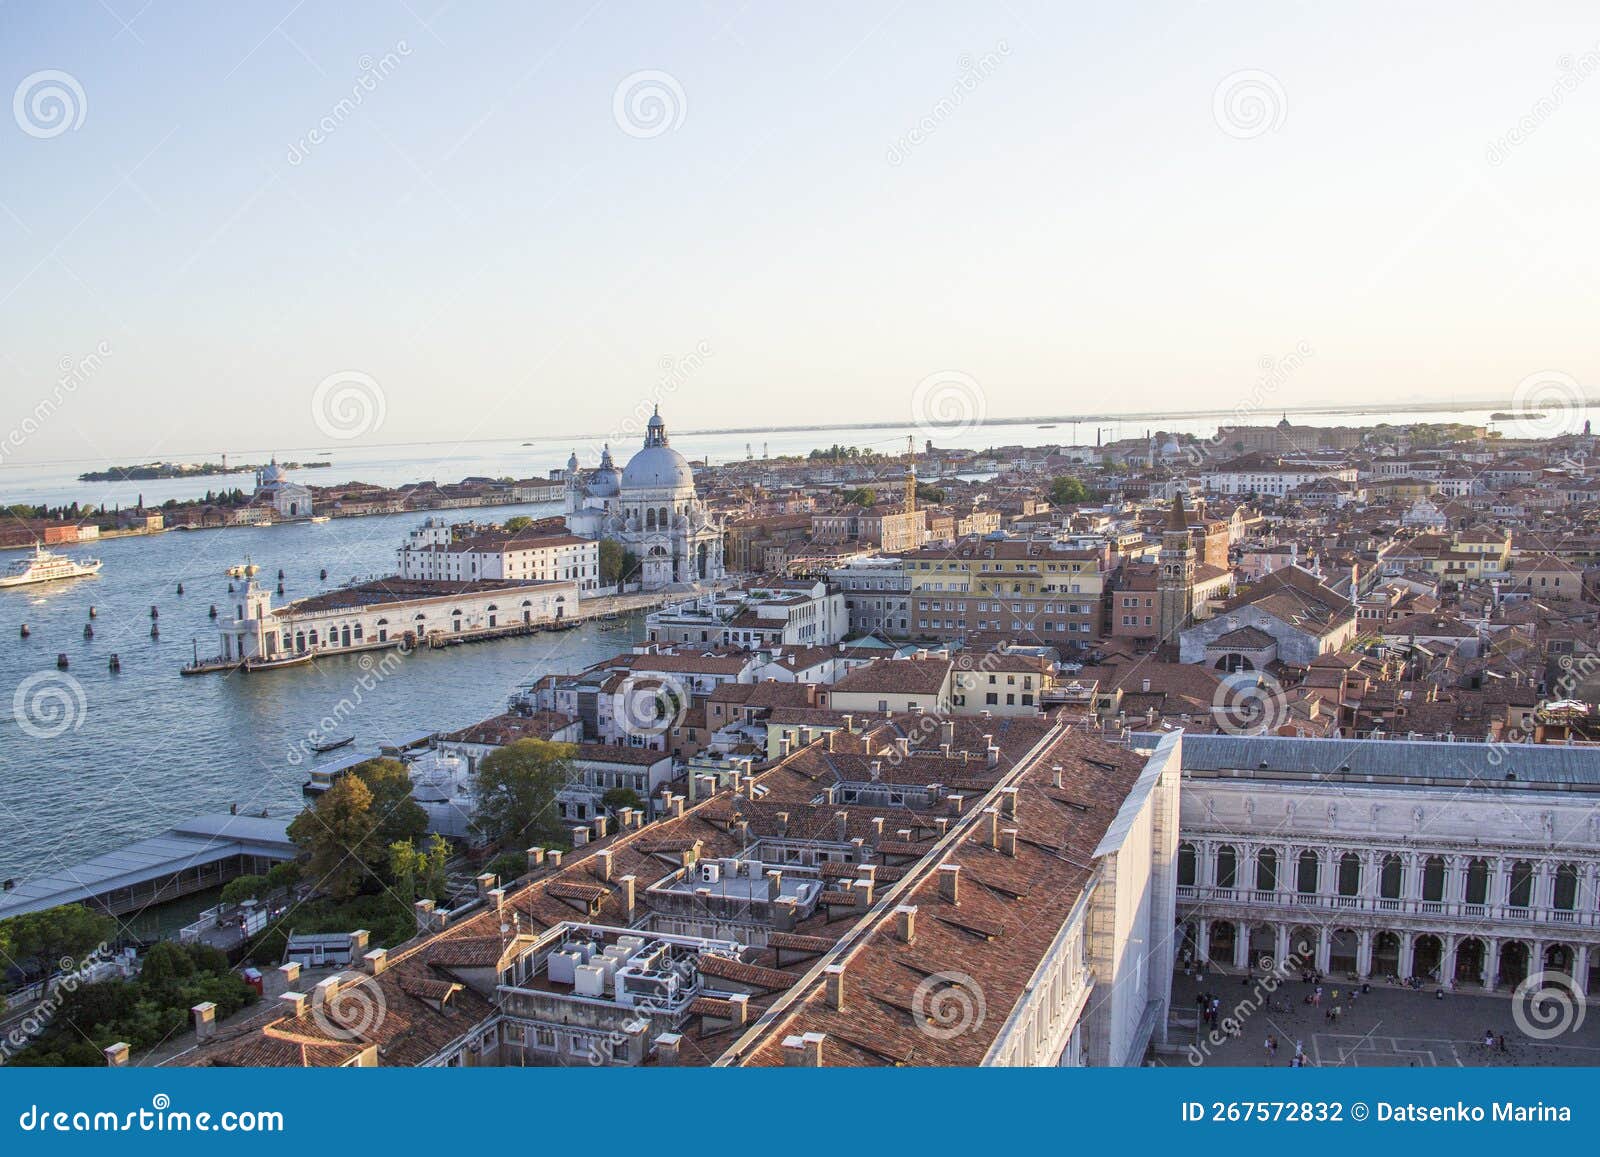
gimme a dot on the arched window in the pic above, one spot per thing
(1227, 866)
(1186, 864)
(1391, 878)
(1433, 878)
(1477, 882)
(1266, 870)
(1520, 893)
(1306, 882)
(1349, 874)
(1565, 896)
(650, 520)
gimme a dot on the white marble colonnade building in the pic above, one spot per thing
(1471, 863)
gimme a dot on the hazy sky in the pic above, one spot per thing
(809, 209)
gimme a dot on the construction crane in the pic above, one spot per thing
(911, 474)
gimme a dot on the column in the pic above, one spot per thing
(1491, 963)
(1580, 968)
(1202, 941)
(1241, 946)
(1322, 949)
(1280, 944)
(1447, 960)
(1364, 953)
(1407, 948)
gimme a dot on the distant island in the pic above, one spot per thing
(149, 470)
(1525, 416)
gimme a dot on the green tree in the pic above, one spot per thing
(519, 522)
(1068, 491)
(927, 492)
(55, 938)
(620, 797)
(337, 835)
(399, 816)
(861, 496)
(516, 790)
(243, 888)
(617, 563)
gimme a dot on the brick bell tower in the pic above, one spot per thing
(1175, 587)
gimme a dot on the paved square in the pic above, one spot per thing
(1388, 1026)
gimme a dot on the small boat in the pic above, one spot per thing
(321, 518)
(333, 744)
(244, 569)
(44, 566)
(274, 664)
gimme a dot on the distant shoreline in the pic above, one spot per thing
(164, 471)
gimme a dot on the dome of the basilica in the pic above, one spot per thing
(657, 467)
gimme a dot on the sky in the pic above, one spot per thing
(281, 224)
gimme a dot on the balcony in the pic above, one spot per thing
(1256, 899)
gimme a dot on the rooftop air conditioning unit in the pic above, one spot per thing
(710, 873)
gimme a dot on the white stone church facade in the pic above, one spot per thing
(651, 507)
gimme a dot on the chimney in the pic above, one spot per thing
(629, 883)
(602, 865)
(376, 960)
(992, 816)
(282, 978)
(804, 1051)
(741, 828)
(535, 859)
(741, 1007)
(116, 1055)
(580, 836)
(1008, 802)
(677, 807)
(993, 756)
(805, 737)
(902, 744)
(841, 826)
(1144, 684)
(783, 747)
(830, 793)
(497, 899)
(554, 857)
(849, 722)
(957, 800)
(667, 1048)
(950, 883)
(941, 824)
(486, 883)
(325, 992)
(774, 884)
(875, 769)
(905, 923)
(835, 981)
(877, 830)
(424, 911)
(862, 890)
(783, 914)
(602, 826)
(782, 819)
(1008, 842)
(294, 1003)
(833, 741)
(205, 1020)
(1055, 774)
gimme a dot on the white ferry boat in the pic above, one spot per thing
(43, 567)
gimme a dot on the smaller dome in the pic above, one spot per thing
(572, 463)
